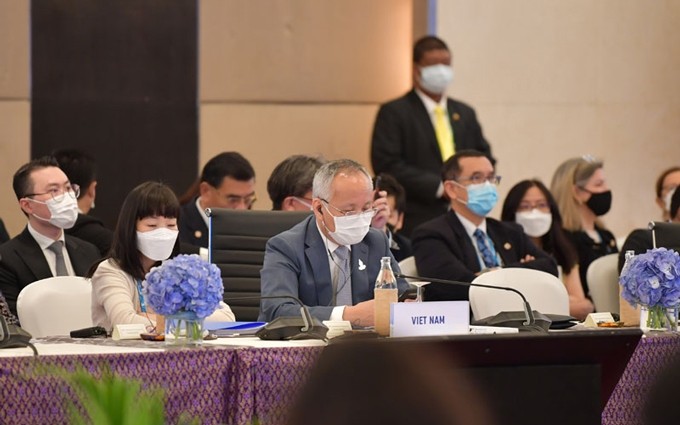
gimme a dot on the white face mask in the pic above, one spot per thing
(63, 211)
(350, 230)
(157, 244)
(436, 78)
(667, 199)
(535, 223)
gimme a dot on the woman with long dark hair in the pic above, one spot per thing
(145, 235)
(530, 204)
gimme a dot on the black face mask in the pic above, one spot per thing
(600, 203)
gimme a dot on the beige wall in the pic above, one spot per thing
(15, 107)
(552, 80)
(298, 76)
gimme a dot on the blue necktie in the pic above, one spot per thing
(487, 256)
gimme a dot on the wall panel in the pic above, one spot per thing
(553, 80)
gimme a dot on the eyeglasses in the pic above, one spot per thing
(527, 206)
(234, 200)
(351, 213)
(304, 201)
(57, 193)
(479, 179)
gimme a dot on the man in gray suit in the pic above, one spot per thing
(331, 259)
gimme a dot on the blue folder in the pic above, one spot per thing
(234, 328)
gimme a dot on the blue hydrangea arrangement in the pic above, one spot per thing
(186, 283)
(652, 279)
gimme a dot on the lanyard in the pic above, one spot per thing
(142, 304)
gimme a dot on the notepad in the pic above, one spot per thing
(234, 328)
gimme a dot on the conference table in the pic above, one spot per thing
(231, 380)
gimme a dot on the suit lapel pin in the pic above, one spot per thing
(455, 116)
(507, 246)
(198, 234)
(362, 266)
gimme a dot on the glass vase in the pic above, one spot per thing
(658, 318)
(183, 329)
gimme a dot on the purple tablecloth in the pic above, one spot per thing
(650, 357)
(200, 382)
(236, 385)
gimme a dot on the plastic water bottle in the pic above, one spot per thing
(628, 256)
(385, 293)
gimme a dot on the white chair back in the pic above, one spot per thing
(408, 266)
(545, 293)
(603, 283)
(55, 306)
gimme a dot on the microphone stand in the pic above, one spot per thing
(530, 321)
(308, 325)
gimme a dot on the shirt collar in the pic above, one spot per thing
(469, 226)
(43, 241)
(201, 212)
(429, 103)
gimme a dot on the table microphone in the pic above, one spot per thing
(288, 327)
(528, 325)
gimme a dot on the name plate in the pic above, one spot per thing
(594, 318)
(131, 331)
(337, 327)
(430, 318)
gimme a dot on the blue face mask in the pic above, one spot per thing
(482, 198)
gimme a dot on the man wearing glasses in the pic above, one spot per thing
(330, 260)
(49, 201)
(227, 181)
(464, 242)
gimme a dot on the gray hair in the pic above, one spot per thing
(323, 179)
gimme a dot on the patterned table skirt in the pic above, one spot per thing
(229, 385)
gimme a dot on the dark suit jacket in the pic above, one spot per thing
(401, 247)
(405, 145)
(4, 236)
(192, 228)
(22, 262)
(296, 263)
(92, 230)
(639, 240)
(589, 251)
(444, 250)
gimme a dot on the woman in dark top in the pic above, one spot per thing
(530, 204)
(582, 194)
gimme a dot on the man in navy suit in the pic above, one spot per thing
(307, 260)
(414, 134)
(227, 181)
(48, 199)
(464, 242)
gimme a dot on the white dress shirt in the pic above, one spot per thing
(44, 242)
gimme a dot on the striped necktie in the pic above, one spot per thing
(487, 256)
